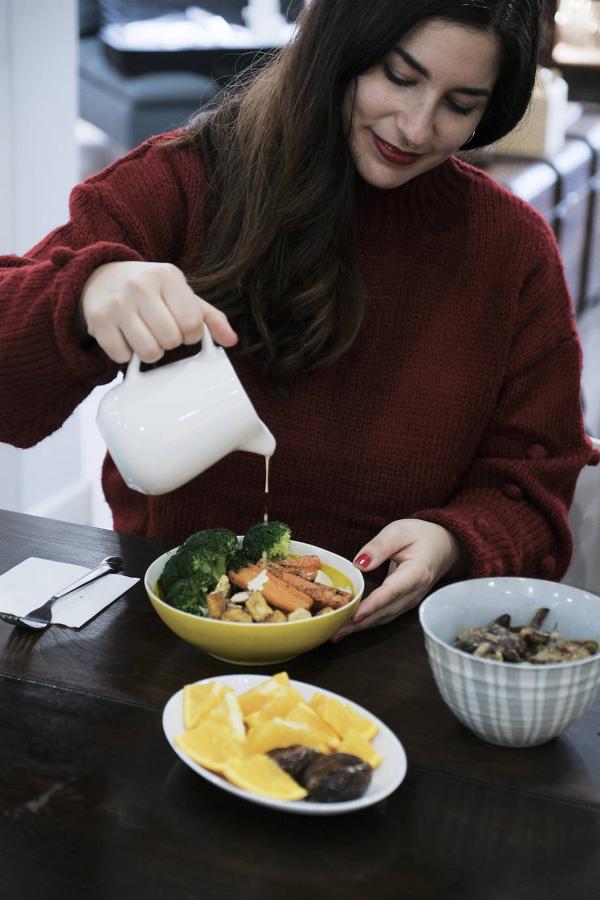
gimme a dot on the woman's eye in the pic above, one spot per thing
(408, 82)
(460, 110)
(403, 82)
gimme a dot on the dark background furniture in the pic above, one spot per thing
(131, 108)
(131, 95)
(582, 76)
(565, 189)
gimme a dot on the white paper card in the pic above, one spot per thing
(32, 582)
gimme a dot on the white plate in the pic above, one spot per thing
(386, 777)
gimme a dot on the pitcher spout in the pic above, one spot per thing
(260, 441)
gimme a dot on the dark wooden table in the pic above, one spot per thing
(94, 804)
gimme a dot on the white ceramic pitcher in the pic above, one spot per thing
(167, 425)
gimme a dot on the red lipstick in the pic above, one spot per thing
(392, 155)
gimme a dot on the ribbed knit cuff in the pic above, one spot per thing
(490, 547)
(76, 266)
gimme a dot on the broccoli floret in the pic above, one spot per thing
(209, 550)
(204, 552)
(270, 538)
(238, 561)
(189, 594)
(219, 541)
(175, 568)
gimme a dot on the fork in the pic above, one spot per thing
(42, 616)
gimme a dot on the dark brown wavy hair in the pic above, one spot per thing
(278, 254)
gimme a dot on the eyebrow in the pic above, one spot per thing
(464, 89)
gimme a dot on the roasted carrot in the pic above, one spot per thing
(305, 566)
(275, 591)
(322, 594)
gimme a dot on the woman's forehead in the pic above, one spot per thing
(453, 52)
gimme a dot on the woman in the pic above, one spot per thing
(400, 322)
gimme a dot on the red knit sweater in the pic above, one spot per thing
(459, 402)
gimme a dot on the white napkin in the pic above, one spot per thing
(28, 585)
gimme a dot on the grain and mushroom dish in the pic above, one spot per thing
(258, 579)
(503, 642)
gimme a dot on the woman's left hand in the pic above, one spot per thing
(419, 554)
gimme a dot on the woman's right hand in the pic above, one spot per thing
(147, 308)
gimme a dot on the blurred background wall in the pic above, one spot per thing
(38, 166)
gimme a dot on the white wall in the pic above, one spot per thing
(38, 167)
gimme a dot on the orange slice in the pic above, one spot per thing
(261, 775)
(256, 697)
(210, 745)
(355, 743)
(342, 717)
(227, 716)
(278, 732)
(199, 699)
(302, 714)
(316, 700)
(280, 705)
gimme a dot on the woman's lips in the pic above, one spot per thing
(392, 155)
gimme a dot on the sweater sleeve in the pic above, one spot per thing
(511, 507)
(46, 369)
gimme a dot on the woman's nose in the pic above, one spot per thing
(416, 126)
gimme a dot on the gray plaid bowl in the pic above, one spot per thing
(513, 705)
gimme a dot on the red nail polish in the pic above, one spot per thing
(362, 561)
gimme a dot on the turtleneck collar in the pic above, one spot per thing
(426, 201)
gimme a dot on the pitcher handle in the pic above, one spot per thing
(132, 372)
(207, 350)
(208, 345)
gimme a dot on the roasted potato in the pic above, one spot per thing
(235, 614)
(217, 604)
(299, 614)
(258, 607)
(276, 616)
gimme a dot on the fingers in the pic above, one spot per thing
(418, 553)
(190, 313)
(382, 616)
(141, 339)
(219, 326)
(390, 541)
(400, 591)
(147, 308)
(111, 340)
(405, 581)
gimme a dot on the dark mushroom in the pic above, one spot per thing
(503, 642)
(339, 776)
(294, 759)
(539, 617)
(559, 650)
(494, 641)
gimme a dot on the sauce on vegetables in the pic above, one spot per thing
(266, 512)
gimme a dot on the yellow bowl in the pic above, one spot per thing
(259, 643)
